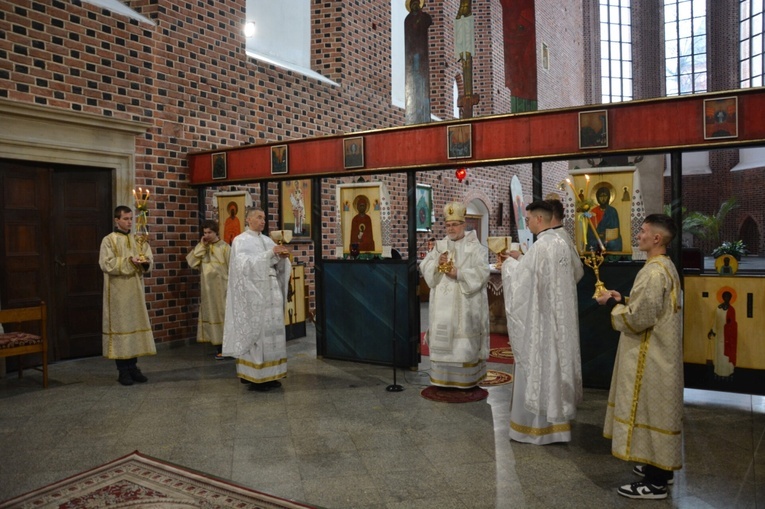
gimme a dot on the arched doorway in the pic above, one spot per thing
(477, 218)
(749, 233)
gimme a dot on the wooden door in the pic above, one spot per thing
(81, 218)
(24, 279)
(52, 220)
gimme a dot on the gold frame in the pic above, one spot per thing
(218, 167)
(347, 196)
(280, 160)
(597, 123)
(353, 159)
(720, 118)
(456, 146)
(286, 215)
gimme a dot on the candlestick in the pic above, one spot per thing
(594, 260)
(141, 222)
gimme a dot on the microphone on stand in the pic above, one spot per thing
(394, 387)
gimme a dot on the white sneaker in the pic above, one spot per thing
(643, 490)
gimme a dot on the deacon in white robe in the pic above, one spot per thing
(253, 329)
(457, 271)
(210, 257)
(127, 332)
(542, 322)
(644, 417)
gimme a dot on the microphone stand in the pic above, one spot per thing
(394, 387)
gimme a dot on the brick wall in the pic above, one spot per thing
(190, 79)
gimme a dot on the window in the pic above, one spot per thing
(282, 35)
(397, 57)
(685, 43)
(751, 54)
(615, 50)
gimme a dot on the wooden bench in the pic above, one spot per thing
(19, 342)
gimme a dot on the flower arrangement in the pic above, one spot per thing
(735, 249)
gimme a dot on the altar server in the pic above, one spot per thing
(644, 417)
(210, 257)
(127, 332)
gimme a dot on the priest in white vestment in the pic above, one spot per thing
(556, 226)
(457, 271)
(210, 257)
(542, 322)
(253, 329)
(127, 332)
(644, 417)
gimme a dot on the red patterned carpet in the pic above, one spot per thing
(139, 481)
(494, 378)
(499, 344)
(448, 395)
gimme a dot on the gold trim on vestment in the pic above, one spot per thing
(649, 428)
(125, 333)
(263, 380)
(644, 460)
(528, 430)
(264, 365)
(630, 327)
(638, 385)
(446, 383)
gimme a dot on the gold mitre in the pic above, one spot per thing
(455, 211)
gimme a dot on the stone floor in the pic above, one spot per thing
(334, 437)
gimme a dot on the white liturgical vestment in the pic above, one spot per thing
(458, 333)
(542, 322)
(576, 261)
(211, 260)
(254, 331)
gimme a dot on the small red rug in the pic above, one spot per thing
(494, 377)
(136, 481)
(500, 348)
(504, 355)
(447, 395)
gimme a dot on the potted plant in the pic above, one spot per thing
(735, 249)
(709, 226)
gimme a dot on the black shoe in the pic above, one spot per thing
(274, 384)
(244, 381)
(125, 378)
(643, 490)
(137, 376)
(640, 470)
(260, 387)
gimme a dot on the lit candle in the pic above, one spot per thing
(587, 186)
(134, 197)
(568, 181)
